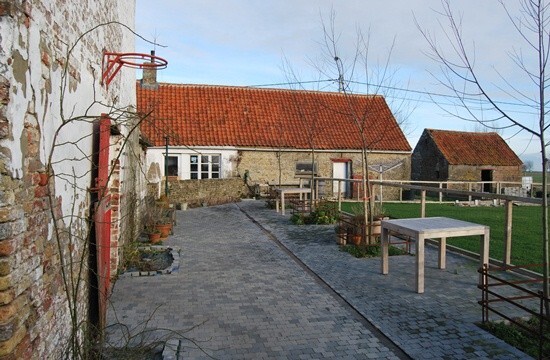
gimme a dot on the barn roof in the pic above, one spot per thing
(474, 148)
(205, 115)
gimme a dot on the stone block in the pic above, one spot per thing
(12, 309)
(6, 296)
(7, 247)
(5, 266)
(10, 213)
(11, 229)
(8, 329)
(6, 347)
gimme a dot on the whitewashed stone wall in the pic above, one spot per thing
(50, 69)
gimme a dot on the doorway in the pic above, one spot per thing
(341, 169)
(487, 175)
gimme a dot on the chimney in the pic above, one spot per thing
(149, 80)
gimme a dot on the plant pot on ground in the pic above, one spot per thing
(341, 234)
(157, 219)
(164, 229)
(154, 236)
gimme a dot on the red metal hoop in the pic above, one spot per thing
(112, 62)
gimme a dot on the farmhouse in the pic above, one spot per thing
(442, 155)
(266, 136)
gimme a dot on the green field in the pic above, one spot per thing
(526, 230)
(536, 175)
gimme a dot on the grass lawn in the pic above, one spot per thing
(536, 175)
(526, 228)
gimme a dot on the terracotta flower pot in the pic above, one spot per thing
(154, 237)
(164, 229)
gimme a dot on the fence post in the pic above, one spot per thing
(316, 189)
(339, 195)
(470, 196)
(423, 203)
(508, 232)
(441, 193)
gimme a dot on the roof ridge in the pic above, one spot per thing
(465, 132)
(254, 88)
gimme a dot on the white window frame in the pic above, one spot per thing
(206, 167)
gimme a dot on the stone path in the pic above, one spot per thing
(239, 295)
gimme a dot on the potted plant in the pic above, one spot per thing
(154, 236)
(164, 222)
(355, 231)
(341, 234)
(157, 221)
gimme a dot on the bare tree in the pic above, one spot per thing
(463, 79)
(306, 108)
(374, 77)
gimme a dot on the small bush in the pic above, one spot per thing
(520, 338)
(371, 251)
(298, 219)
(325, 213)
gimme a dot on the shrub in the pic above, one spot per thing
(325, 213)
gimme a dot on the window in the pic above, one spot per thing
(171, 166)
(205, 166)
(306, 168)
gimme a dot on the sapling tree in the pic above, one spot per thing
(375, 77)
(465, 81)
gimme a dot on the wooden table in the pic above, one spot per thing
(281, 196)
(435, 228)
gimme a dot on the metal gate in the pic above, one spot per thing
(102, 220)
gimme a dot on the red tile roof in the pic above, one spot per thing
(474, 148)
(203, 115)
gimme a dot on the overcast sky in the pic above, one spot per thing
(245, 42)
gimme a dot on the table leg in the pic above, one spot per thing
(484, 252)
(442, 253)
(420, 264)
(277, 201)
(282, 203)
(384, 240)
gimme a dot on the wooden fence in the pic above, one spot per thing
(442, 188)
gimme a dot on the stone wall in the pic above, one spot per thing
(427, 161)
(207, 191)
(48, 104)
(263, 166)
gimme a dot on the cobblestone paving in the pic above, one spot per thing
(438, 324)
(237, 295)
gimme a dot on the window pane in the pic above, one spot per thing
(204, 159)
(215, 175)
(194, 167)
(215, 168)
(172, 166)
(194, 176)
(204, 175)
(204, 167)
(194, 159)
(215, 159)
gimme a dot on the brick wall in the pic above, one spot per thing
(45, 172)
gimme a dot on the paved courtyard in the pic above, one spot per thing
(252, 286)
